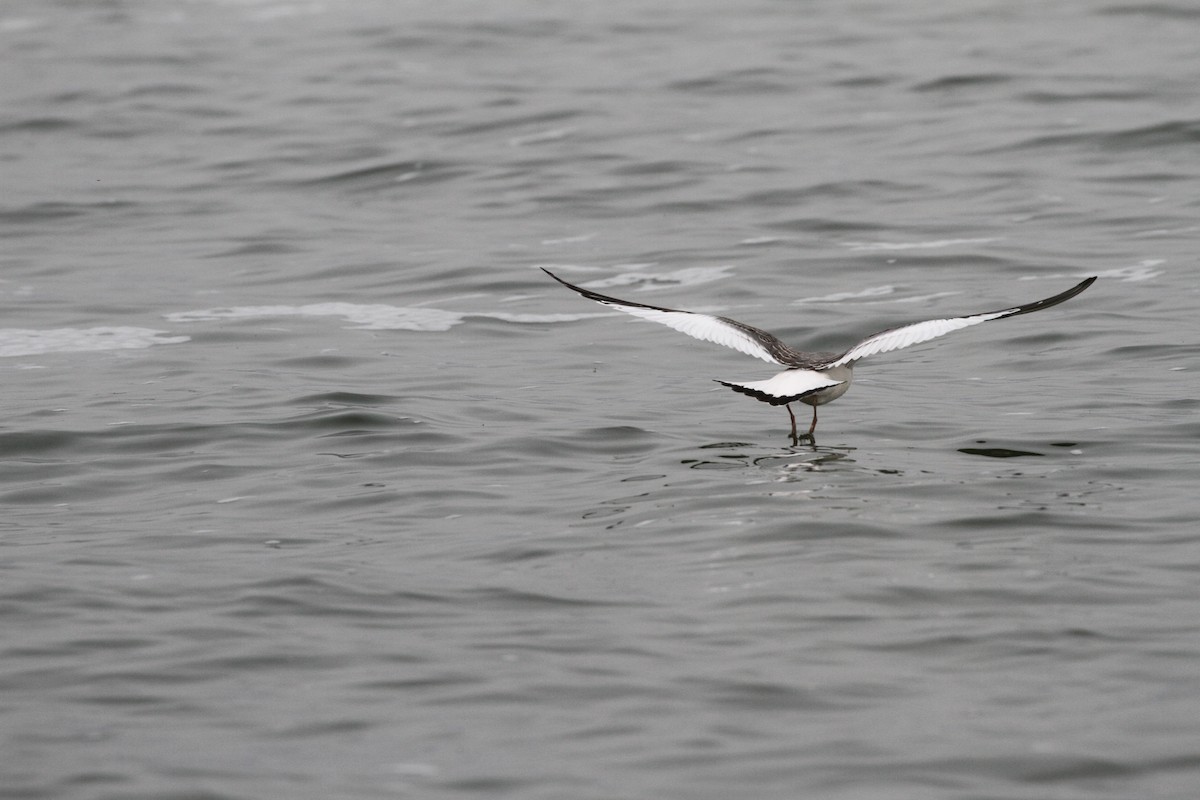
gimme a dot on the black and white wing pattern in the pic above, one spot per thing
(706, 327)
(906, 335)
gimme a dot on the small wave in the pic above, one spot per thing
(968, 81)
(1164, 10)
(755, 80)
(1183, 133)
(382, 176)
(583, 237)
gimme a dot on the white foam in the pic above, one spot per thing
(16, 342)
(874, 291)
(583, 237)
(757, 240)
(371, 317)
(688, 276)
(1144, 270)
(924, 298)
(933, 244)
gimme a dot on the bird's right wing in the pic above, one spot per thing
(907, 335)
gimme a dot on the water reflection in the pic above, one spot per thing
(997, 452)
(1010, 452)
(807, 457)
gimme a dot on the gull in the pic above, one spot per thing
(811, 378)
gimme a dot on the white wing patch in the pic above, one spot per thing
(704, 327)
(908, 335)
(918, 332)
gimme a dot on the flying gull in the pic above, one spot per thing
(811, 378)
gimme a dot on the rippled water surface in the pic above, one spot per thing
(314, 485)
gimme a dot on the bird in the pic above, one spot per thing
(810, 378)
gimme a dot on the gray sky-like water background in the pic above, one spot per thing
(313, 485)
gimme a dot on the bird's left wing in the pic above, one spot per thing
(720, 330)
(906, 335)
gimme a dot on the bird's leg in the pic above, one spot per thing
(795, 438)
(813, 427)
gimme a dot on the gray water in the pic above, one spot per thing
(314, 485)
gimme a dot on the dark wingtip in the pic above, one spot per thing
(1074, 290)
(1056, 299)
(585, 292)
(607, 299)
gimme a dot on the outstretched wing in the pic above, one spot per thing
(720, 330)
(906, 335)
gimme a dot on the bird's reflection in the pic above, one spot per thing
(806, 456)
